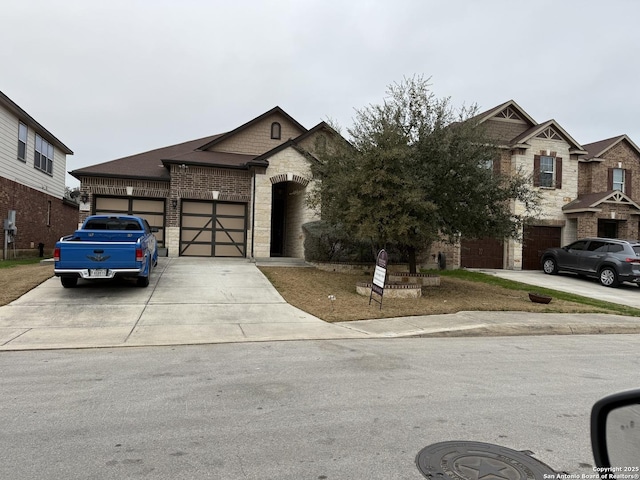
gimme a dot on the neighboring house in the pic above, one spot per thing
(236, 194)
(32, 181)
(608, 190)
(552, 157)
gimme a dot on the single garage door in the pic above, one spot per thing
(151, 210)
(482, 253)
(213, 229)
(536, 240)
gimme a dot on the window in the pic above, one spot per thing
(487, 164)
(615, 248)
(546, 171)
(22, 141)
(579, 245)
(43, 155)
(618, 179)
(275, 131)
(597, 246)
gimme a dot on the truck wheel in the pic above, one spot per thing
(143, 281)
(550, 266)
(69, 282)
(608, 277)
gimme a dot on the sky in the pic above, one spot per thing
(119, 77)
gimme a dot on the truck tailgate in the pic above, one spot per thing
(98, 255)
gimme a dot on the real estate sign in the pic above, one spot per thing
(379, 276)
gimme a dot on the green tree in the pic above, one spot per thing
(415, 171)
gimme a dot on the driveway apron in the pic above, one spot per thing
(189, 301)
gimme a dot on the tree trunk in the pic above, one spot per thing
(412, 260)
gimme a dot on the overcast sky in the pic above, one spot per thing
(119, 77)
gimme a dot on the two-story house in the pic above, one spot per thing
(547, 153)
(608, 190)
(235, 194)
(33, 165)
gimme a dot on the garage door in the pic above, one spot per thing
(536, 240)
(151, 210)
(482, 253)
(213, 229)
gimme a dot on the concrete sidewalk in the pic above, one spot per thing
(196, 301)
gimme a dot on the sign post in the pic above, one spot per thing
(379, 277)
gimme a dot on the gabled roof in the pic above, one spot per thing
(142, 165)
(510, 104)
(153, 165)
(591, 202)
(223, 137)
(295, 141)
(537, 129)
(30, 121)
(597, 150)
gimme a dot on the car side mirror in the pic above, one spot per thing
(154, 229)
(615, 435)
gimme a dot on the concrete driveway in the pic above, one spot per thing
(189, 301)
(626, 294)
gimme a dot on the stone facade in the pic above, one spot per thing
(292, 167)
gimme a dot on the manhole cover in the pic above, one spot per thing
(479, 461)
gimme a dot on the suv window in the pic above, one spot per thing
(615, 247)
(598, 246)
(579, 245)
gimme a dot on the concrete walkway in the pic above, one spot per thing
(197, 300)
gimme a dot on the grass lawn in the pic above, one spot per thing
(460, 290)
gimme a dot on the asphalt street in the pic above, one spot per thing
(331, 409)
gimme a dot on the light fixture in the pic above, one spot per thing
(174, 203)
(84, 198)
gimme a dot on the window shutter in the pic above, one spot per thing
(536, 170)
(610, 179)
(558, 172)
(496, 165)
(627, 183)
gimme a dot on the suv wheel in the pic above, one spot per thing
(550, 266)
(608, 277)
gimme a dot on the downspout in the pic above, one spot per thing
(253, 214)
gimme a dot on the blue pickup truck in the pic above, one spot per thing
(107, 246)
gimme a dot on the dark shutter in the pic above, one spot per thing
(558, 172)
(536, 170)
(496, 165)
(610, 179)
(627, 183)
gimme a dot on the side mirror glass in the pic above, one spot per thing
(615, 435)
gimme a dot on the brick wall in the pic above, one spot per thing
(118, 187)
(504, 130)
(40, 218)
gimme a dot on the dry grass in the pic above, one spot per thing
(309, 290)
(17, 280)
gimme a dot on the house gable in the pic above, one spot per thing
(259, 135)
(605, 156)
(505, 122)
(594, 202)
